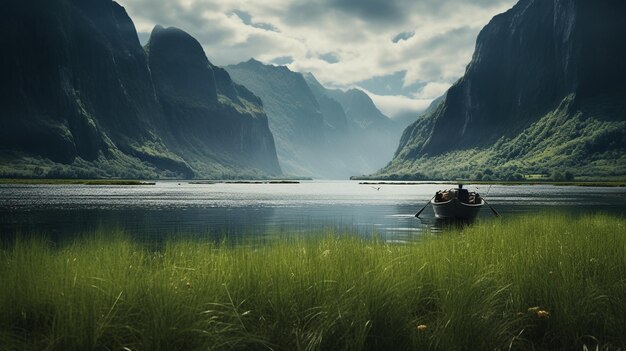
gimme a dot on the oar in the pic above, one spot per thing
(423, 208)
(493, 209)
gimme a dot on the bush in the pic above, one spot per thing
(558, 176)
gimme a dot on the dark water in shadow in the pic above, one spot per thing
(216, 211)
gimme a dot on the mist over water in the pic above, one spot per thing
(256, 211)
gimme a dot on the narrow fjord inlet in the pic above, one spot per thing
(313, 175)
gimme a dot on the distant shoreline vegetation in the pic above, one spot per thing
(44, 181)
(448, 182)
(75, 181)
(395, 179)
(34, 169)
(200, 182)
(364, 181)
(533, 282)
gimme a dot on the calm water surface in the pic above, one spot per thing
(253, 210)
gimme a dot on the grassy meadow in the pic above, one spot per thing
(528, 283)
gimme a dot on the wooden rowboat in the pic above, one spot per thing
(455, 209)
(457, 203)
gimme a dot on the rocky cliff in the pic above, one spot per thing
(212, 121)
(316, 134)
(78, 98)
(544, 92)
(368, 132)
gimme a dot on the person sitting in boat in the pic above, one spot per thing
(463, 194)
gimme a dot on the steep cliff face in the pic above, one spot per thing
(295, 118)
(208, 119)
(375, 135)
(335, 119)
(73, 71)
(539, 60)
(370, 134)
(361, 111)
(316, 134)
(77, 95)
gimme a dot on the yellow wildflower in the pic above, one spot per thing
(543, 314)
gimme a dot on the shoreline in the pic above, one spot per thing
(613, 184)
(42, 181)
(31, 181)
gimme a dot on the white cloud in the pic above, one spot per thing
(358, 33)
(396, 105)
(432, 90)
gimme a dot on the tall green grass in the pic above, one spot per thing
(528, 283)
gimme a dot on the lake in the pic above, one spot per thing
(247, 211)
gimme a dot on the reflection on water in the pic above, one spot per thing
(253, 210)
(442, 224)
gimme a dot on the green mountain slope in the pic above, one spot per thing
(544, 94)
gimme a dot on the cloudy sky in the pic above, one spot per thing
(404, 53)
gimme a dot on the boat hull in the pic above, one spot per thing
(455, 209)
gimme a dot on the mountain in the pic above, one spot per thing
(371, 134)
(543, 94)
(294, 116)
(213, 122)
(71, 71)
(335, 118)
(79, 100)
(315, 136)
(319, 132)
(408, 118)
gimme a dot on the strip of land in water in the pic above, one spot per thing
(572, 183)
(76, 181)
(133, 182)
(530, 282)
(245, 182)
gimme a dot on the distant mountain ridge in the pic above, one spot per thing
(208, 116)
(371, 134)
(81, 98)
(319, 132)
(544, 93)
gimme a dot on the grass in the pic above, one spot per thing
(527, 283)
